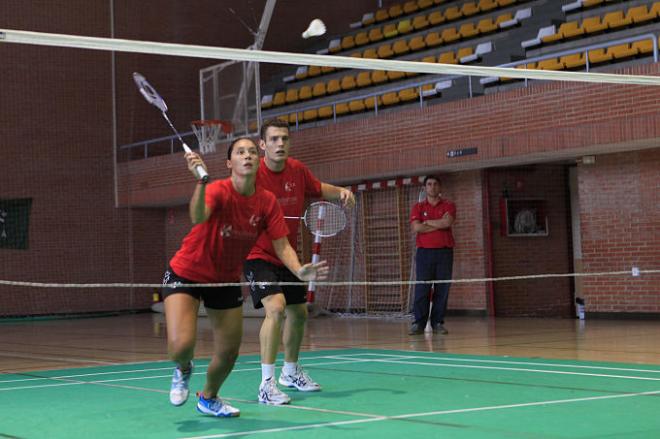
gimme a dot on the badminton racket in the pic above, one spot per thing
(323, 219)
(151, 95)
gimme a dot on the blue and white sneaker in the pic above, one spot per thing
(300, 380)
(271, 395)
(179, 390)
(216, 407)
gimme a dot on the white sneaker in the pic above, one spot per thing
(216, 407)
(300, 380)
(179, 390)
(271, 395)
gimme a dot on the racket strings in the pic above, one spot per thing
(325, 219)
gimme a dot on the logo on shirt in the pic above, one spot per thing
(425, 213)
(253, 283)
(226, 230)
(254, 220)
(289, 186)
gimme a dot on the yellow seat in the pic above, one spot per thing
(296, 118)
(468, 30)
(487, 5)
(621, 51)
(429, 58)
(597, 56)
(453, 13)
(642, 47)
(591, 3)
(279, 98)
(341, 108)
(385, 51)
(557, 36)
(356, 55)
(433, 39)
(463, 52)
(486, 25)
(284, 118)
(390, 31)
(375, 35)
(370, 103)
(616, 20)
(550, 64)
(347, 83)
(313, 71)
(571, 29)
(428, 87)
(370, 54)
(593, 25)
(327, 69)
(368, 20)
(361, 39)
(400, 47)
(363, 79)
(318, 90)
(409, 94)
(391, 98)
(395, 11)
(416, 43)
(410, 7)
(395, 76)
(348, 42)
(447, 58)
(420, 22)
(655, 10)
(573, 61)
(310, 114)
(424, 4)
(436, 17)
(469, 9)
(333, 86)
(448, 35)
(266, 102)
(305, 92)
(640, 14)
(404, 27)
(301, 73)
(378, 77)
(356, 106)
(325, 112)
(502, 18)
(382, 15)
(504, 3)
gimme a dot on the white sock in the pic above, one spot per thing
(289, 368)
(267, 371)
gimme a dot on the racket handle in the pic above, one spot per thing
(310, 296)
(201, 172)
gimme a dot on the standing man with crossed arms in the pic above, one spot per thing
(291, 181)
(431, 220)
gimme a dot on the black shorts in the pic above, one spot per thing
(213, 297)
(258, 270)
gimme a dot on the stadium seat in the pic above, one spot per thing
(301, 73)
(640, 14)
(318, 90)
(378, 76)
(453, 13)
(295, 118)
(468, 30)
(591, 3)
(361, 39)
(313, 71)
(409, 94)
(348, 42)
(436, 18)
(291, 96)
(616, 19)
(642, 47)
(410, 7)
(368, 19)
(573, 61)
(433, 39)
(309, 115)
(464, 52)
(363, 79)
(395, 11)
(593, 25)
(348, 83)
(375, 35)
(394, 75)
(505, 3)
(447, 58)
(327, 69)
(279, 98)
(404, 27)
(503, 18)
(385, 51)
(391, 98)
(370, 54)
(428, 90)
(621, 51)
(356, 106)
(469, 9)
(341, 108)
(390, 31)
(333, 86)
(305, 91)
(370, 103)
(334, 46)
(571, 29)
(429, 59)
(655, 10)
(325, 112)
(420, 22)
(449, 35)
(424, 4)
(266, 101)
(486, 25)
(550, 64)
(416, 43)
(400, 47)
(487, 5)
(382, 15)
(597, 56)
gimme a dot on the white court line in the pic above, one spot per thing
(55, 358)
(425, 414)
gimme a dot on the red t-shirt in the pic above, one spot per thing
(290, 187)
(426, 211)
(214, 250)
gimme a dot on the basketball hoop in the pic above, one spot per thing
(208, 133)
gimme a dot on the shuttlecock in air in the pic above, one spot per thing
(315, 29)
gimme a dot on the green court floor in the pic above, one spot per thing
(366, 393)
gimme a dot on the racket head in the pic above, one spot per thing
(325, 219)
(149, 93)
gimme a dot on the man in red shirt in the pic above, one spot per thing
(291, 181)
(431, 220)
(228, 216)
